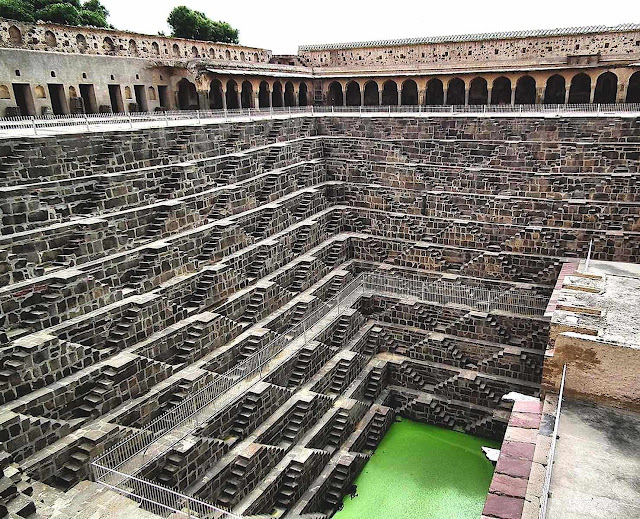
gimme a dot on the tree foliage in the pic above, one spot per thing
(195, 25)
(67, 12)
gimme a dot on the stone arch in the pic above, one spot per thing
(227, 55)
(15, 35)
(501, 91)
(276, 95)
(152, 93)
(40, 92)
(194, 52)
(212, 53)
(334, 94)
(633, 89)
(50, 39)
(435, 92)
(215, 95)
(455, 91)
(353, 94)
(133, 47)
(247, 94)
(155, 48)
(81, 42)
(4, 92)
(127, 93)
(555, 90)
(176, 50)
(303, 95)
(606, 88)
(289, 94)
(371, 94)
(232, 95)
(478, 91)
(263, 95)
(390, 93)
(242, 57)
(409, 93)
(580, 89)
(187, 95)
(108, 46)
(525, 91)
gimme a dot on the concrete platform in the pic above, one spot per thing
(596, 471)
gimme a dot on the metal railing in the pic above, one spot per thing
(544, 498)
(120, 467)
(103, 122)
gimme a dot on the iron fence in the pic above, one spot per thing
(120, 468)
(102, 122)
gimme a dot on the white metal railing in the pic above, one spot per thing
(103, 122)
(544, 497)
(121, 466)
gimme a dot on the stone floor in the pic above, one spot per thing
(596, 472)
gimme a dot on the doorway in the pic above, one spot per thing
(115, 94)
(24, 98)
(58, 99)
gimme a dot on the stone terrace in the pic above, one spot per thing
(138, 267)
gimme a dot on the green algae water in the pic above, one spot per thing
(422, 471)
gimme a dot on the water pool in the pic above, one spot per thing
(422, 471)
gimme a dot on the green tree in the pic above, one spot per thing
(187, 23)
(16, 10)
(68, 12)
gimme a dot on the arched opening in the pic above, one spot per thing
(353, 94)
(212, 53)
(390, 93)
(194, 52)
(152, 94)
(247, 95)
(478, 93)
(555, 91)
(73, 92)
(187, 95)
(409, 94)
(241, 56)
(108, 46)
(606, 88)
(39, 91)
(303, 96)
(232, 95)
(289, 94)
(227, 55)
(264, 95)
(4, 92)
(435, 92)
(50, 39)
(215, 95)
(133, 47)
(15, 36)
(455, 92)
(155, 48)
(127, 93)
(580, 89)
(633, 90)
(334, 96)
(176, 50)
(371, 94)
(276, 95)
(81, 42)
(526, 91)
(501, 91)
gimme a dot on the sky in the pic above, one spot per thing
(282, 25)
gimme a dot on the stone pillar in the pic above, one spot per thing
(540, 92)
(513, 96)
(567, 89)
(466, 96)
(203, 100)
(362, 96)
(270, 96)
(239, 94)
(224, 98)
(621, 96)
(444, 98)
(489, 96)
(380, 96)
(344, 97)
(256, 98)
(593, 91)
(296, 97)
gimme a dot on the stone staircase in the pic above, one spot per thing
(295, 421)
(143, 270)
(254, 306)
(300, 369)
(301, 239)
(211, 246)
(289, 488)
(256, 266)
(69, 252)
(248, 409)
(339, 429)
(262, 224)
(301, 211)
(122, 331)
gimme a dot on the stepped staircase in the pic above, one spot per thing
(333, 255)
(375, 432)
(235, 481)
(372, 388)
(68, 253)
(176, 397)
(301, 239)
(295, 422)
(491, 395)
(187, 351)
(170, 184)
(271, 158)
(173, 463)
(220, 208)
(289, 488)
(242, 422)
(255, 267)
(275, 131)
(121, 332)
(143, 271)
(304, 176)
(301, 368)
(94, 197)
(157, 226)
(75, 468)
(252, 311)
(339, 429)
(230, 144)
(340, 377)
(249, 347)
(478, 424)
(300, 277)
(336, 284)
(302, 209)
(334, 222)
(438, 412)
(263, 223)
(339, 481)
(298, 314)
(211, 246)
(414, 377)
(447, 384)
(93, 400)
(264, 193)
(340, 334)
(201, 292)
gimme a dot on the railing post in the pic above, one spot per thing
(130, 121)
(33, 125)
(166, 118)
(198, 115)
